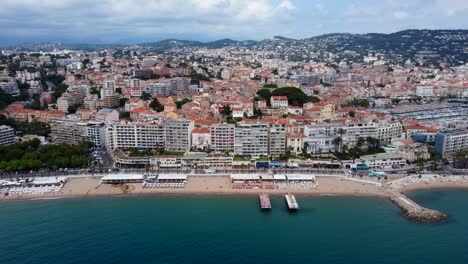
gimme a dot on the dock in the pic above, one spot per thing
(414, 211)
(291, 201)
(265, 203)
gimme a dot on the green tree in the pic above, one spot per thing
(352, 113)
(145, 96)
(226, 111)
(71, 109)
(156, 105)
(364, 103)
(265, 94)
(122, 101)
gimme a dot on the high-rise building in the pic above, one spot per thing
(222, 137)
(450, 142)
(179, 85)
(277, 140)
(70, 130)
(134, 135)
(388, 131)
(95, 132)
(251, 140)
(178, 135)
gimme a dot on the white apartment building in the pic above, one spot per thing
(7, 135)
(363, 130)
(63, 103)
(384, 161)
(279, 102)
(95, 133)
(251, 140)
(389, 131)
(319, 137)
(277, 140)
(450, 142)
(178, 135)
(134, 135)
(201, 138)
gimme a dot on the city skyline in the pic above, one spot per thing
(133, 22)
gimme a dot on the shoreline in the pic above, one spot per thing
(219, 186)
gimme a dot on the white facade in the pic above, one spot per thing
(7, 135)
(424, 91)
(178, 135)
(251, 140)
(134, 135)
(201, 139)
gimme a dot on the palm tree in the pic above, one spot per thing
(344, 148)
(337, 142)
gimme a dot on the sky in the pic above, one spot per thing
(137, 21)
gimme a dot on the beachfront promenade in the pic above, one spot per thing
(201, 172)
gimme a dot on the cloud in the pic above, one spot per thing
(320, 9)
(108, 19)
(400, 14)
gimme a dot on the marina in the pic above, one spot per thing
(265, 203)
(291, 202)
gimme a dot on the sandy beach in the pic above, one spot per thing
(221, 185)
(214, 185)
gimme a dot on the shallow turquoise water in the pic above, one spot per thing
(209, 229)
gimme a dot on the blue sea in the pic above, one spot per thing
(213, 229)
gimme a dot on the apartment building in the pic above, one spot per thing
(7, 135)
(222, 137)
(450, 142)
(178, 135)
(251, 140)
(279, 102)
(355, 130)
(69, 130)
(277, 140)
(134, 135)
(319, 137)
(389, 131)
(95, 133)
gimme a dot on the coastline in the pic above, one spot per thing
(212, 186)
(89, 187)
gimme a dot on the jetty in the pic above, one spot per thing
(414, 211)
(291, 201)
(265, 203)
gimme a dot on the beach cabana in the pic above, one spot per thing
(267, 177)
(173, 178)
(279, 177)
(301, 177)
(123, 178)
(48, 181)
(245, 177)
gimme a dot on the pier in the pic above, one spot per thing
(414, 211)
(265, 203)
(291, 201)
